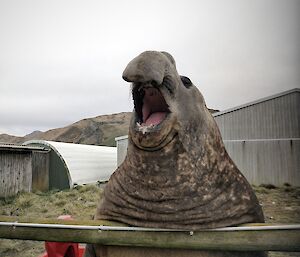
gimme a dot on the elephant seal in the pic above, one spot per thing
(177, 173)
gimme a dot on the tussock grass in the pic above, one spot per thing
(79, 202)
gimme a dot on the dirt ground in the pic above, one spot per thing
(280, 205)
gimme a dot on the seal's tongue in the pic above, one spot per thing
(155, 107)
(155, 118)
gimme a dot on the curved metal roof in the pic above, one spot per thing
(84, 163)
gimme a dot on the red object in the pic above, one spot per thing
(81, 252)
(55, 249)
(58, 249)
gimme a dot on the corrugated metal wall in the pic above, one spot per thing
(263, 139)
(267, 161)
(122, 144)
(272, 119)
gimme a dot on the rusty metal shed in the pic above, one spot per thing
(76, 164)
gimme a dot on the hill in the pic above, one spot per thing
(100, 130)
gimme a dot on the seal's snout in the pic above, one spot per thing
(128, 78)
(137, 73)
(149, 66)
(135, 77)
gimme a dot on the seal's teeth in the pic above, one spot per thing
(144, 128)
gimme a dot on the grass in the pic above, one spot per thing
(280, 205)
(79, 202)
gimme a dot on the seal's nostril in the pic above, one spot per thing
(125, 78)
(154, 83)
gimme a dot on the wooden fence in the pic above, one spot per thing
(252, 237)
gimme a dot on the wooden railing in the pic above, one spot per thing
(249, 237)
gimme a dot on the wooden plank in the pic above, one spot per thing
(272, 240)
(40, 171)
(15, 172)
(20, 219)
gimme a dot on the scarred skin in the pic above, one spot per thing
(177, 174)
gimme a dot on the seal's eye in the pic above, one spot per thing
(186, 81)
(154, 83)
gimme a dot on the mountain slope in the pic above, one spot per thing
(100, 130)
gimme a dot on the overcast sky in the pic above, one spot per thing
(62, 60)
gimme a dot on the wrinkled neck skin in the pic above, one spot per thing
(187, 149)
(180, 187)
(164, 171)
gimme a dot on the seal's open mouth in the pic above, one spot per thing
(150, 105)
